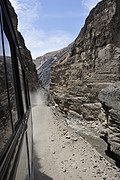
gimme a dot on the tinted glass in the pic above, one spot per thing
(10, 79)
(22, 85)
(5, 121)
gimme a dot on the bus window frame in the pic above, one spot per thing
(15, 54)
(17, 49)
(5, 68)
(15, 79)
(20, 128)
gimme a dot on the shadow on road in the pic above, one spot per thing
(37, 174)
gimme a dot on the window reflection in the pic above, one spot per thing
(22, 85)
(10, 80)
(5, 121)
(22, 170)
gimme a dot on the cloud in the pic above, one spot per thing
(39, 41)
(63, 15)
(90, 3)
(42, 42)
(27, 11)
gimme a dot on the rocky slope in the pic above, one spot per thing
(44, 63)
(61, 154)
(110, 117)
(92, 64)
(30, 68)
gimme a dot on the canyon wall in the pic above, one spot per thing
(93, 65)
(44, 64)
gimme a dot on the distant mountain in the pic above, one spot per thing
(42, 59)
(44, 63)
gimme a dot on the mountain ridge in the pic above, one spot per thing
(44, 63)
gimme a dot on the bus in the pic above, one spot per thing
(16, 134)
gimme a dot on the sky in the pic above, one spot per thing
(49, 25)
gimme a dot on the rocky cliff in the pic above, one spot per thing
(44, 63)
(93, 63)
(30, 68)
(110, 117)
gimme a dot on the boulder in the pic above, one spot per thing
(110, 123)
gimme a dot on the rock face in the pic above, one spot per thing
(45, 63)
(30, 68)
(92, 64)
(110, 121)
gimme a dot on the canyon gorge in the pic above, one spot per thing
(83, 79)
(75, 100)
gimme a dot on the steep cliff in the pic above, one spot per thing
(44, 63)
(93, 63)
(31, 72)
(110, 116)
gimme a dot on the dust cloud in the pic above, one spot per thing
(39, 97)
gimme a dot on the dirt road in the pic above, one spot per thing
(60, 154)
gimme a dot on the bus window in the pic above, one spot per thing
(9, 68)
(22, 85)
(5, 120)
